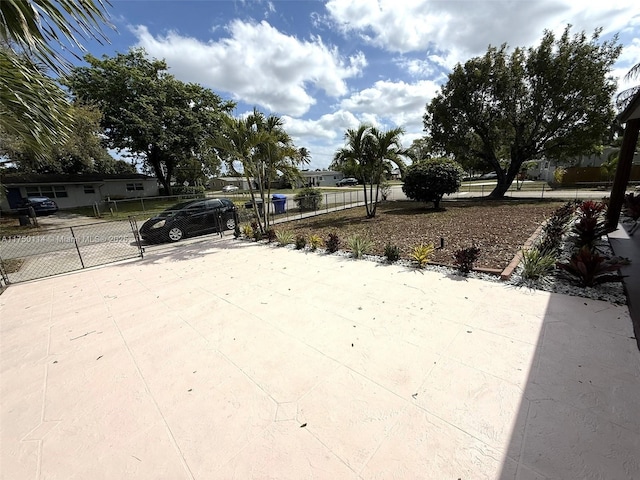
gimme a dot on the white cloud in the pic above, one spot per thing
(257, 64)
(400, 103)
(465, 29)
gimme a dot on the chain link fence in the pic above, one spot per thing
(61, 250)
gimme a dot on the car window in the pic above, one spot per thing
(213, 203)
(196, 207)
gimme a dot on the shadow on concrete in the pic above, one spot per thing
(578, 415)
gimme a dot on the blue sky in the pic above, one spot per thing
(325, 66)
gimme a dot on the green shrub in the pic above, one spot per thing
(429, 180)
(421, 254)
(308, 199)
(236, 231)
(284, 237)
(359, 246)
(314, 242)
(332, 243)
(465, 258)
(537, 263)
(391, 253)
(301, 242)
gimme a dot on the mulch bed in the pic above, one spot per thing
(497, 228)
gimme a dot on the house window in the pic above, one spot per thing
(51, 191)
(319, 179)
(132, 187)
(89, 189)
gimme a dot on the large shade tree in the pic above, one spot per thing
(148, 113)
(551, 101)
(370, 153)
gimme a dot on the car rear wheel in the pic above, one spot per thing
(175, 234)
(230, 223)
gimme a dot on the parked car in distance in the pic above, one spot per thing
(230, 188)
(347, 182)
(41, 205)
(186, 219)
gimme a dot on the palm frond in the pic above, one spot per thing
(38, 26)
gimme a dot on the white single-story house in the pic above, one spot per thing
(70, 191)
(217, 183)
(319, 178)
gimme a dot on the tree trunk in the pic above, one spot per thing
(154, 159)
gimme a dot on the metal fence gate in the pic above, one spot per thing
(61, 250)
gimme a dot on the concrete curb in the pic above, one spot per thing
(507, 272)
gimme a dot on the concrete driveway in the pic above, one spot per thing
(230, 360)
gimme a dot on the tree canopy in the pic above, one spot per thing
(369, 153)
(149, 114)
(551, 101)
(429, 180)
(80, 152)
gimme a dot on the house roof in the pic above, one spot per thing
(40, 178)
(632, 111)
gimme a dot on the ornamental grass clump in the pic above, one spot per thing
(537, 264)
(359, 246)
(284, 237)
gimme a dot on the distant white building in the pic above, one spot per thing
(319, 178)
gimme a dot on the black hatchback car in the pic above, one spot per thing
(195, 217)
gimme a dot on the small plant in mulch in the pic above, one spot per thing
(332, 243)
(465, 259)
(391, 253)
(270, 235)
(359, 246)
(588, 268)
(315, 242)
(422, 253)
(247, 231)
(537, 263)
(284, 237)
(301, 242)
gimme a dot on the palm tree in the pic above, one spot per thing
(624, 97)
(265, 150)
(32, 32)
(369, 152)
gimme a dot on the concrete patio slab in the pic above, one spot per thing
(228, 359)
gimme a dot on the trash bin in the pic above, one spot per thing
(279, 202)
(249, 204)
